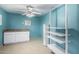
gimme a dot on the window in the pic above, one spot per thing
(0, 19)
(27, 22)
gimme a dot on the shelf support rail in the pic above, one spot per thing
(66, 30)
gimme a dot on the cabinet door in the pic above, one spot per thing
(22, 36)
(9, 37)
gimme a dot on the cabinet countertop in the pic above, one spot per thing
(15, 30)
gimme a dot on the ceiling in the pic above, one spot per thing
(20, 8)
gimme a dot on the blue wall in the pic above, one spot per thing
(2, 27)
(54, 18)
(36, 27)
(73, 16)
(60, 16)
(44, 20)
(16, 21)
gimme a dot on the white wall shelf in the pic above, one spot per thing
(50, 33)
(57, 39)
(57, 33)
(56, 49)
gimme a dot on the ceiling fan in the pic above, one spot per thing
(31, 11)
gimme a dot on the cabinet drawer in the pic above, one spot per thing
(9, 39)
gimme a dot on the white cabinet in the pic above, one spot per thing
(22, 36)
(14, 37)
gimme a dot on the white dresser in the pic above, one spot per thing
(16, 36)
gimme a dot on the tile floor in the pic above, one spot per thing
(34, 46)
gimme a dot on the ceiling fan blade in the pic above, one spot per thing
(36, 13)
(35, 9)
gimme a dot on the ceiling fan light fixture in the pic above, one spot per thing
(29, 9)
